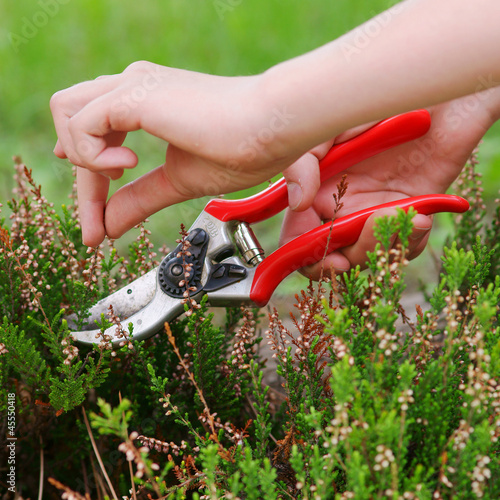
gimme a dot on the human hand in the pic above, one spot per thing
(216, 127)
(423, 166)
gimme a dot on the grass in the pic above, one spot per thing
(51, 44)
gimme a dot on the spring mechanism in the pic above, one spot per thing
(248, 244)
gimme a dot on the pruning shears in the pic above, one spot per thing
(225, 260)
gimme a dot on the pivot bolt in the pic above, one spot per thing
(176, 270)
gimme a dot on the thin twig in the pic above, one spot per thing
(341, 191)
(97, 454)
(98, 479)
(131, 470)
(171, 339)
(40, 487)
(85, 479)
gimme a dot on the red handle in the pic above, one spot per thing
(381, 137)
(311, 246)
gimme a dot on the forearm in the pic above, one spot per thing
(416, 54)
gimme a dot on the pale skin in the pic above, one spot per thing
(230, 133)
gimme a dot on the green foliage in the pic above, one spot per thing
(372, 404)
(262, 420)
(23, 358)
(113, 420)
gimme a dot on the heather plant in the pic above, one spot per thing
(373, 403)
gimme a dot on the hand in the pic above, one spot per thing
(222, 137)
(424, 166)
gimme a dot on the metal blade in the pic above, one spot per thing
(137, 303)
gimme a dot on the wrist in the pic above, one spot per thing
(270, 134)
(289, 113)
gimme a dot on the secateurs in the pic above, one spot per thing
(225, 260)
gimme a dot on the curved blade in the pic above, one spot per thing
(139, 303)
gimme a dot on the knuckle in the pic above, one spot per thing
(135, 201)
(138, 66)
(315, 180)
(57, 100)
(168, 180)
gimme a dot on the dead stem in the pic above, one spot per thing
(131, 470)
(97, 454)
(101, 489)
(210, 421)
(40, 488)
(341, 191)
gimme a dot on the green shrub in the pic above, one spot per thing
(372, 404)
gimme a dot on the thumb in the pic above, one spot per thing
(303, 178)
(303, 181)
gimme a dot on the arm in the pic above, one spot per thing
(416, 54)
(226, 134)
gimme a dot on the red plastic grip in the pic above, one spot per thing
(312, 246)
(381, 137)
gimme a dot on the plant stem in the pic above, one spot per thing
(97, 454)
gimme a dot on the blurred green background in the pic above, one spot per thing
(48, 45)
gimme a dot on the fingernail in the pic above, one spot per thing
(419, 232)
(342, 269)
(339, 263)
(294, 195)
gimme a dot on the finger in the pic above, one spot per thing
(182, 177)
(109, 165)
(297, 223)
(356, 254)
(422, 225)
(420, 247)
(66, 103)
(96, 141)
(92, 192)
(333, 263)
(353, 132)
(136, 201)
(303, 178)
(348, 257)
(59, 151)
(112, 174)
